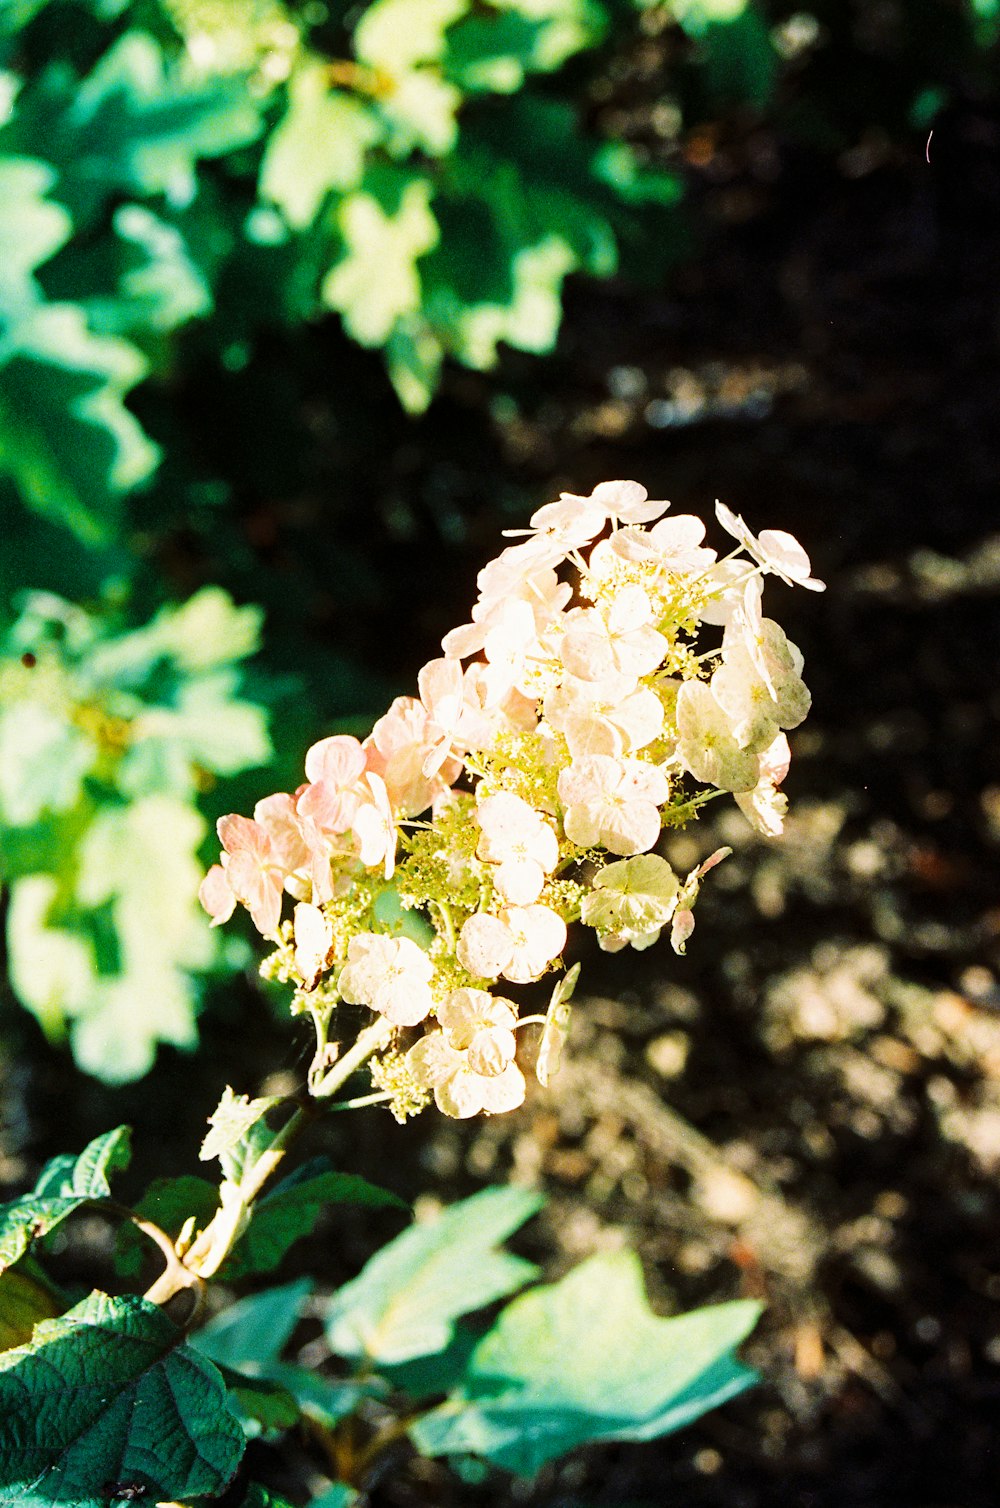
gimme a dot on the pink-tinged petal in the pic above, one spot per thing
(239, 835)
(681, 929)
(216, 895)
(329, 806)
(440, 687)
(258, 889)
(277, 816)
(339, 760)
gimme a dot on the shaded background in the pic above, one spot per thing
(806, 1108)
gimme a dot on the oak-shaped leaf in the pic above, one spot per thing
(405, 1302)
(586, 1359)
(107, 1394)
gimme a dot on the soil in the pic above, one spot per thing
(805, 1109)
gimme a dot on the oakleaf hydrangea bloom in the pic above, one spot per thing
(469, 1063)
(614, 675)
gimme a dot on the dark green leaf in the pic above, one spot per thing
(110, 1393)
(168, 1202)
(64, 1185)
(252, 1333)
(290, 1211)
(66, 437)
(263, 1406)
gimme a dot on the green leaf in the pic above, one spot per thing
(340, 1495)
(139, 281)
(318, 147)
(405, 1302)
(326, 1399)
(264, 1407)
(493, 48)
(393, 243)
(252, 1333)
(32, 228)
(110, 1393)
(168, 1202)
(109, 1153)
(134, 126)
(64, 1185)
(586, 1359)
(290, 1210)
(24, 1301)
(66, 437)
(262, 1497)
(43, 761)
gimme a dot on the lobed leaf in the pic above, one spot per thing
(585, 1359)
(405, 1302)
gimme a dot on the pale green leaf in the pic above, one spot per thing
(231, 1120)
(405, 1301)
(32, 228)
(110, 1392)
(530, 321)
(377, 283)
(52, 970)
(319, 145)
(585, 1359)
(398, 34)
(208, 630)
(210, 726)
(43, 761)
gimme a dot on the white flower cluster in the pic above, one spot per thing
(561, 730)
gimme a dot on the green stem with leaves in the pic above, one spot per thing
(210, 1249)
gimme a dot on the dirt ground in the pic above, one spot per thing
(806, 1108)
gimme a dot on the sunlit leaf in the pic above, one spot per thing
(405, 1302)
(586, 1359)
(65, 436)
(371, 305)
(318, 146)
